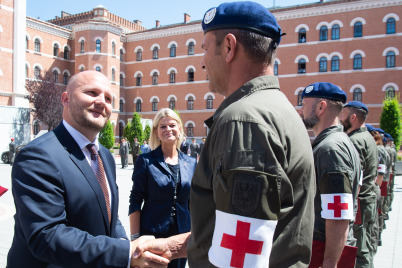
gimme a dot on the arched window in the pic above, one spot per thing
(121, 80)
(390, 93)
(139, 80)
(98, 68)
(299, 98)
(65, 78)
(357, 62)
(121, 106)
(26, 42)
(155, 104)
(335, 63)
(98, 46)
(276, 67)
(301, 66)
(323, 64)
(113, 49)
(210, 102)
(66, 53)
(172, 77)
(155, 53)
(37, 45)
(121, 55)
(55, 50)
(82, 46)
(390, 59)
(55, 76)
(139, 55)
(36, 72)
(357, 94)
(391, 27)
(358, 29)
(190, 103)
(324, 33)
(336, 31)
(190, 75)
(302, 35)
(113, 75)
(173, 50)
(172, 103)
(82, 69)
(36, 128)
(155, 78)
(113, 101)
(138, 106)
(26, 70)
(190, 130)
(191, 48)
(121, 129)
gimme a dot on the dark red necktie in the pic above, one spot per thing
(97, 167)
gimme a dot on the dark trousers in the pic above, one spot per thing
(173, 230)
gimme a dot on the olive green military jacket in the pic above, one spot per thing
(338, 171)
(367, 151)
(383, 161)
(255, 170)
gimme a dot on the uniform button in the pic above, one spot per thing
(175, 197)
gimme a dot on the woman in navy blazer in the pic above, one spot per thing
(162, 180)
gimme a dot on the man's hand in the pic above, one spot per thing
(146, 259)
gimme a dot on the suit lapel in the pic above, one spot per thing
(77, 156)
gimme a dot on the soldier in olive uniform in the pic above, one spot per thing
(353, 117)
(382, 163)
(337, 169)
(135, 150)
(393, 154)
(253, 189)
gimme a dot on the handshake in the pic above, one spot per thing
(147, 251)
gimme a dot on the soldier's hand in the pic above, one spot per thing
(142, 258)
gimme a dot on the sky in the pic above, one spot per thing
(147, 11)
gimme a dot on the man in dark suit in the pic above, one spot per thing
(65, 192)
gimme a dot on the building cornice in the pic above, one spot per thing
(97, 26)
(48, 28)
(164, 32)
(333, 8)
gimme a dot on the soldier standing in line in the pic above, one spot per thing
(202, 145)
(135, 150)
(394, 159)
(253, 189)
(194, 148)
(338, 171)
(353, 117)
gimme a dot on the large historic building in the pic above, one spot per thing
(351, 43)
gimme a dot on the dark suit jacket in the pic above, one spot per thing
(61, 217)
(153, 184)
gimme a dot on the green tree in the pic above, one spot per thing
(133, 129)
(147, 132)
(106, 136)
(390, 120)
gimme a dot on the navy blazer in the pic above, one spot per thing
(153, 184)
(61, 217)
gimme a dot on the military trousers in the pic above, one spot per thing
(376, 227)
(363, 233)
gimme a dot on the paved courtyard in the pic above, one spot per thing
(387, 256)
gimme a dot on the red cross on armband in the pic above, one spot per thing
(240, 241)
(241, 244)
(337, 206)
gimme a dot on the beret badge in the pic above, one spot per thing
(210, 15)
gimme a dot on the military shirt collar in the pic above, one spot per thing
(265, 82)
(326, 132)
(357, 130)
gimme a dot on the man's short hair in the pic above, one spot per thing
(259, 48)
(360, 114)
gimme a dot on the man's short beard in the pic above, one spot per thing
(311, 122)
(346, 124)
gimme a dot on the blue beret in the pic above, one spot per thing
(388, 136)
(379, 130)
(242, 15)
(370, 127)
(324, 90)
(384, 139)
(357, 104)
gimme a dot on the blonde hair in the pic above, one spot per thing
(154, 142)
